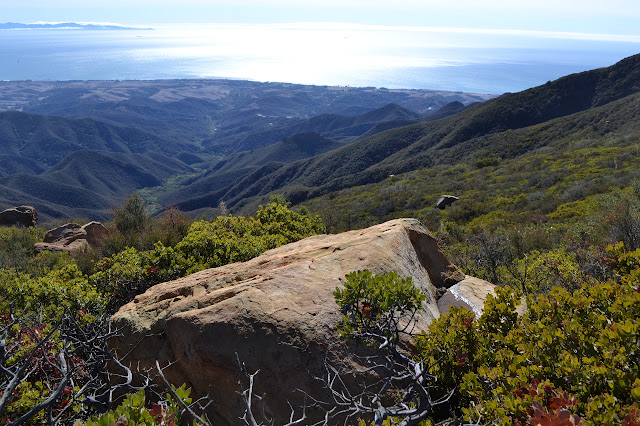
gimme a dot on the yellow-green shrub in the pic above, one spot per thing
(60, 291)
(580, 347)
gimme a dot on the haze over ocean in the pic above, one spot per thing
(483, 61)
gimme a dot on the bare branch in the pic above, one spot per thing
(186, 407)
(247, 395)
(55, 395)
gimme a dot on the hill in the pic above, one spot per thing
(190, 111)
(70, 167)
(335, 126)
(89, 183)
(10, 164)
(564, 170)
(442, 141)
(81, 153)
(53, 199)
(300, 146)
(114, 174)
(235, 167)
(48, 140)
(292, 148)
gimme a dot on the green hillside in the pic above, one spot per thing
(10, 164)
(235, 167)
(560, 169)
(438, 142)
(335, 126)
(57, 192)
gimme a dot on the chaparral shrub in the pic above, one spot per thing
(572, 355)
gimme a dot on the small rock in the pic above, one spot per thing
(470, 293)
(445, 200)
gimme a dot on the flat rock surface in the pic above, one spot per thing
(276, 312)
(68, 231)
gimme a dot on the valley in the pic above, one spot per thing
(203, 125)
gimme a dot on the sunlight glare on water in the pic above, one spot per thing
(469, 60)
(286, 53)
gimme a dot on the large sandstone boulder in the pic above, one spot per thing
(72, 237)
(276, 312)
(19, 216)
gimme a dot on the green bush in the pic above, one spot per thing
(16, 246)
(226, 240)
(236, 239)
(60, 291)
(487, 162)
(571, 353)
(379, 310)
(124, 275)
(134, 411)
(375, 303)
(540, 271)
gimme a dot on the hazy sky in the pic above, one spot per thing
(584, 16)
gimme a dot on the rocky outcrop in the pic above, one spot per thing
(276, 312)
(19, 216)
(94, 233)
(72, 237)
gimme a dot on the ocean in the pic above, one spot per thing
(481, 61)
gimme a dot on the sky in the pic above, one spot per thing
(578, 16)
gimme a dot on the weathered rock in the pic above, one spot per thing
(71, 247)
(276, 312)
(470, 293)
(445, 200)
(95, 232)
(19, 216)
(72, 237)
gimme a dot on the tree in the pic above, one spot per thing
(131, 217)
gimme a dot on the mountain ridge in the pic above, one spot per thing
(408, 148)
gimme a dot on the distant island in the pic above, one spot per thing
(65, 26)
